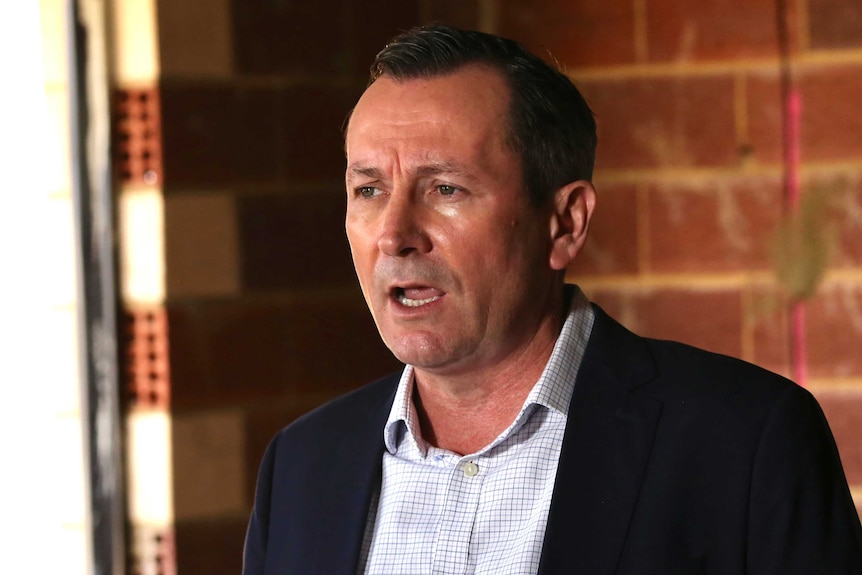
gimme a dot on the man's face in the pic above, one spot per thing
(451, 257)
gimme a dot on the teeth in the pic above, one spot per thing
(416, 302)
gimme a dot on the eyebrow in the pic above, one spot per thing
(430, 169)
(366, 171)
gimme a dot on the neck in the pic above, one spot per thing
(464, 412)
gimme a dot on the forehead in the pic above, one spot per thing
(467, 106)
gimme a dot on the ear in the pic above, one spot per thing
(573, 208)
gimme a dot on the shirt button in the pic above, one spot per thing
(471, 469)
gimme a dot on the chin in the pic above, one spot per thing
(420, 352)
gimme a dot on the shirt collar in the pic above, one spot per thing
(553, 389)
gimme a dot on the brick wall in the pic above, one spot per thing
(690, 174)
(265, 316)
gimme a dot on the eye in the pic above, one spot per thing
(367, 191)
(446, 189)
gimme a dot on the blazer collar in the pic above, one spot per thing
(355, 476)
(606, 445)
(605, 449)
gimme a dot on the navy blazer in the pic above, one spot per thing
(674, 460)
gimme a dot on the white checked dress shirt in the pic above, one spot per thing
(486, 512)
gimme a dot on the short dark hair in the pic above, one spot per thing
(551, 127)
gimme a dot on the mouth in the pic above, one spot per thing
(417, 296)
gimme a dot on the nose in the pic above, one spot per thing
(403, 230)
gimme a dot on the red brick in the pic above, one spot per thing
(294, 241)
(835, 23)
(846, 217)
(708, 319)
(151, 548)
(574, 33)
(137, 127)
(612, 245)
(770, 327)
(842, 224)
(764, 107)
(831, 122)
(843, 410)
(716, 226)
(224, 352)
(680, 30)
(830, 119)
(664, 122)
(210, 546)
(289, 37)
(146, 364)
(611, 301)
(834, 328)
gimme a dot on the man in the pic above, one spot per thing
(528, 432)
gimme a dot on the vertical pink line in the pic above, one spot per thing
(792, 154)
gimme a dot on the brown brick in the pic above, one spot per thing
(201, 245)
(263, 421)
(313, 118)
(373, 23)
(831, 122)
(195, 38)
(289, 37)
(210, 546)
(294, 241)
(843, 409)
(224, 352)
(658, 122)
(460, 13)
(834, 328)
(216, 134)
(208, 463)
(723, 225)
(709, 319)
(680, 30)
(574, 33)
(835, 23)
(612, 245)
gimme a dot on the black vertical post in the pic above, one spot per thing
(97, 291)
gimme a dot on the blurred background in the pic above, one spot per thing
(174, 169)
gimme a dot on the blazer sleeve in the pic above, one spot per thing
(802, 518)
(257, 535)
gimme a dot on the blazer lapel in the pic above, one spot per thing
(606, 446)
(354, 477)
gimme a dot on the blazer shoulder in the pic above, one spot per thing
(348, 412)
(676, 372)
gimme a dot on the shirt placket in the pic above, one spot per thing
(451, 553)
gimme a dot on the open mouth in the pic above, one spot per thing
(416, 296)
